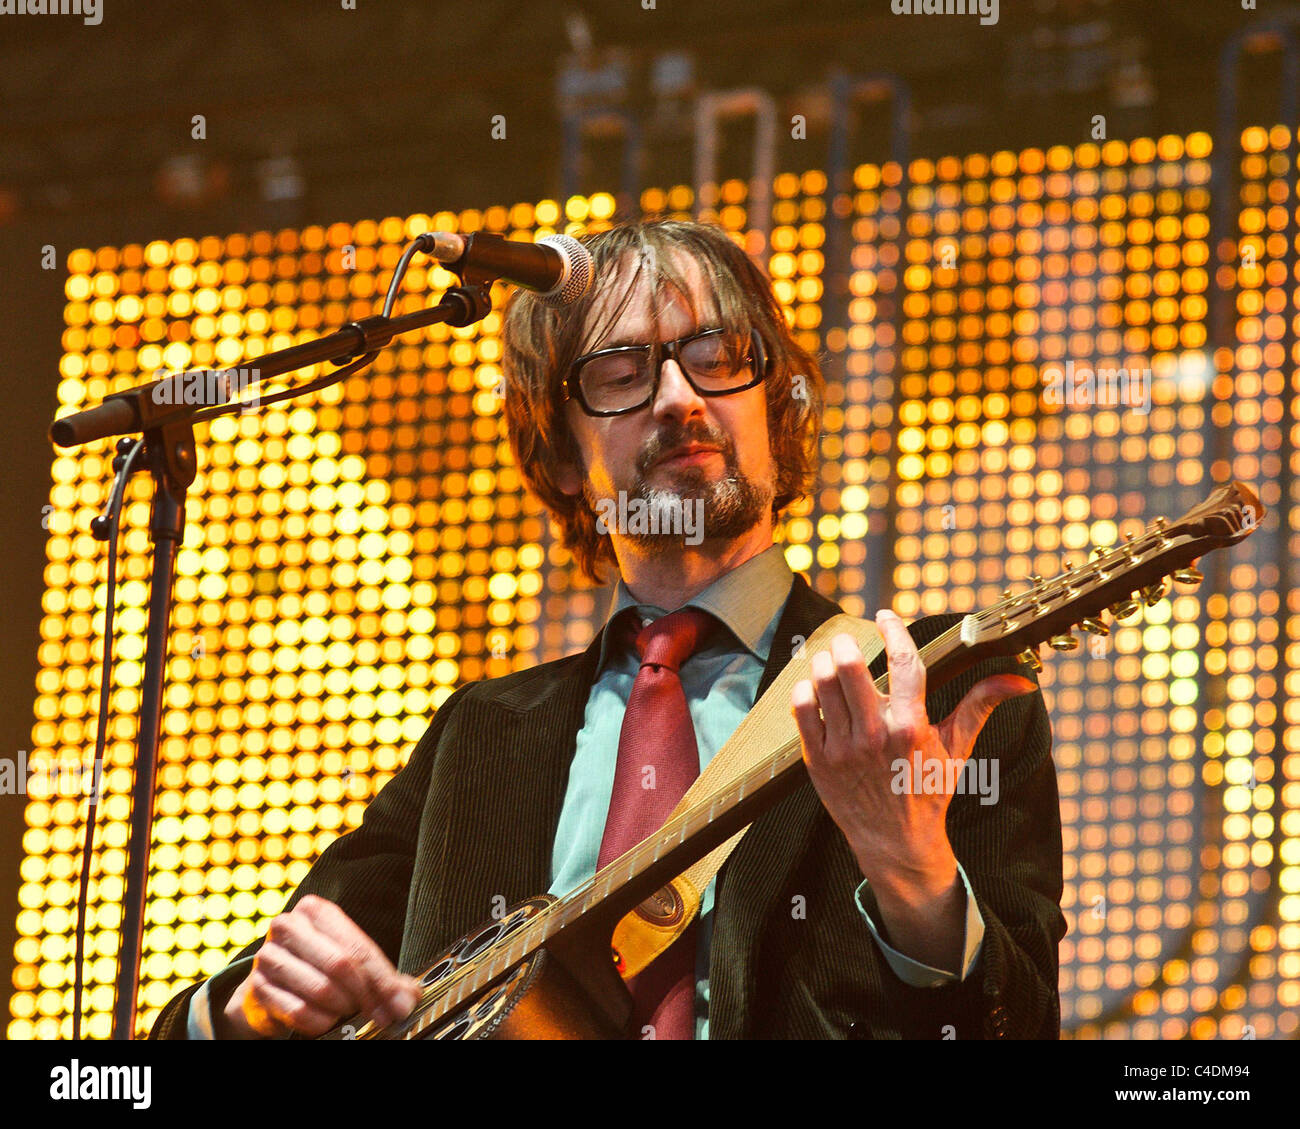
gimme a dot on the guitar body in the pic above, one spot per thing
(570, 991)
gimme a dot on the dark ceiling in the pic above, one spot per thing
(317, 112)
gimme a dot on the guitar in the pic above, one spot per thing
(544, 968)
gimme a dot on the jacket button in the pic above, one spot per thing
(998, 1022)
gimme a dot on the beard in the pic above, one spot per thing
(732, 505)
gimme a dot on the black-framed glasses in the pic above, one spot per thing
(612, 382)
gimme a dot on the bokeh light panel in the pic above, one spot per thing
(352, 557)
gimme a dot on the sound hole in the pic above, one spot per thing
(484, 1010)
(482, 941)
(438, 971)
(514, 921)
(458, 1027)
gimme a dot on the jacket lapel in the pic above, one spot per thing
(773, 847)
(503, 793)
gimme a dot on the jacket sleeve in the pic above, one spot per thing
(366, 873)
(1011, 853)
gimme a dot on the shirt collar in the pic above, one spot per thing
(746, 599)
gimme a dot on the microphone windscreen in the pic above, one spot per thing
(577, 276)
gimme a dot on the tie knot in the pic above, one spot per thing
(671, 639)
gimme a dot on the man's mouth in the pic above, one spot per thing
(688, 454)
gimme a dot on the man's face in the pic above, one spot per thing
(727, 459)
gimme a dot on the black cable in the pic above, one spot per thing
(420, 243)
(109, 526)
(240, 406)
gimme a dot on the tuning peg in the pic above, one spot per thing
(1124, 608)
(1065, 642)
(1160, 522)
(1189, 575)
(1154, 593)
(1030, 658)
(1095, 627)
(1095, 559)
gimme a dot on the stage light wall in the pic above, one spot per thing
(350, 558)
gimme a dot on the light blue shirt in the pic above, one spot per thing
(721, 684)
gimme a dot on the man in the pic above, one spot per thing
(851, 908)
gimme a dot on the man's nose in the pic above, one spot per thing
(676, 399)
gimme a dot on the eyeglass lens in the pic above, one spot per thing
(617, 380)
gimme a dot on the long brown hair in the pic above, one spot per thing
(542, 342)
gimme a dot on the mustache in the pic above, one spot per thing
(664, 441)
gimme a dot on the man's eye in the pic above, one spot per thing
(712, 361)
(614, 374)
(713, 364)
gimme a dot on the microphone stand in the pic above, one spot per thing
(169, 453)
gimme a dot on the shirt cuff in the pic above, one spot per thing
(913, 972)
(198, 1022)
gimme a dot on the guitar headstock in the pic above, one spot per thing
(1115, 581)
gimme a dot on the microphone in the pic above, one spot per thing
(557, 266)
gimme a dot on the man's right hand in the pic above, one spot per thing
(315, 968)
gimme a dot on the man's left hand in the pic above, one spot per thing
(853, 738)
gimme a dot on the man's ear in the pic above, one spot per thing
(566, 455)
(568, 478)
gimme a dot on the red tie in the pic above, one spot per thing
(658, 761)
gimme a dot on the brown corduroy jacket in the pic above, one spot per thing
(472, 817)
